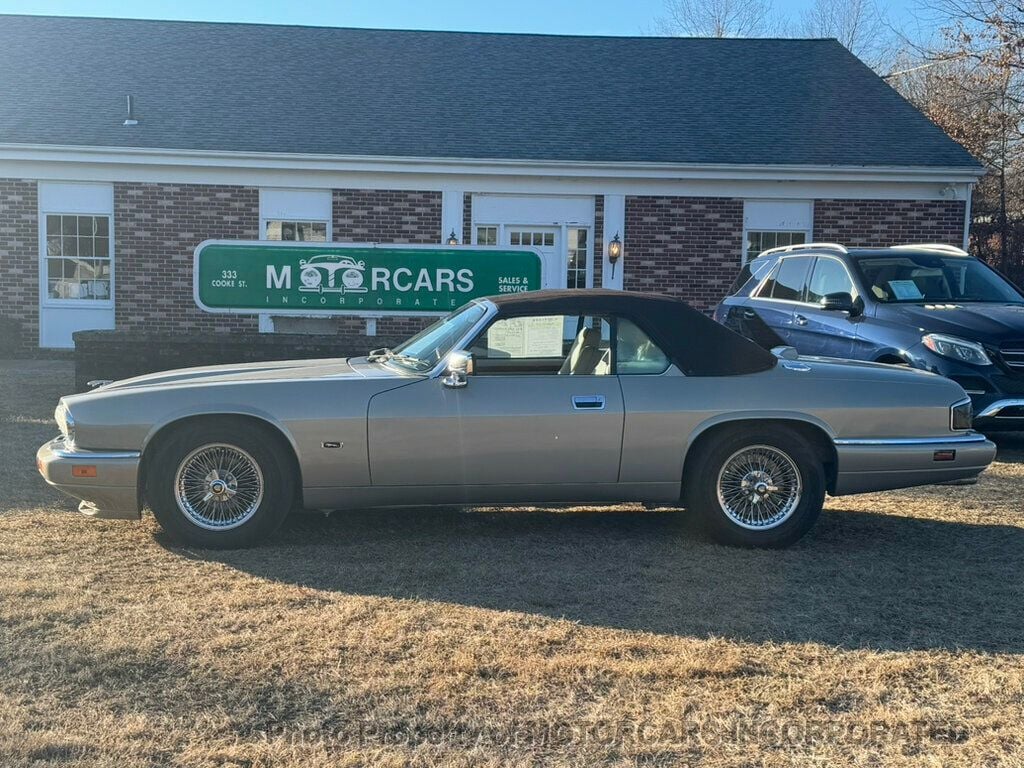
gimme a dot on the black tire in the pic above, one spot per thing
(274, 480)
(701, 486)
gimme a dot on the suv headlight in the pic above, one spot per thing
(961, 415)
(956, 349)
(65, 421)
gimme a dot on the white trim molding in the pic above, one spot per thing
(452, 211)
(494, 175)
(614, 224)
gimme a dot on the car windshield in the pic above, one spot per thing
(426, 348)
(927, 278)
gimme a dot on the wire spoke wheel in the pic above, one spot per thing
(218, 486)
(759, 487)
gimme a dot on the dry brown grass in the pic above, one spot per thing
(891, 636)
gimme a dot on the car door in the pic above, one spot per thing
(523, 418)
(773, 304)
(816, 331)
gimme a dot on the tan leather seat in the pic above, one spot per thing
(586, 358)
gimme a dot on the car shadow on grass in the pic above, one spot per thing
(859, 580)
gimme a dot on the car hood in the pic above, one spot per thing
(335, 368)
(984, 322)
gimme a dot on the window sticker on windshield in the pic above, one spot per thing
(905, 289)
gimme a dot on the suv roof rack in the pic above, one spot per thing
(806, 246)
(941, 247)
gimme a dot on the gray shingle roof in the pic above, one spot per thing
(447, 94)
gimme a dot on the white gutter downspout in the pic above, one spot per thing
(967, 217)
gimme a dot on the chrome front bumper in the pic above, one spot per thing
(882, 464)
(111, 493)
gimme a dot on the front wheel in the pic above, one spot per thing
(756, 487)
(221, 485)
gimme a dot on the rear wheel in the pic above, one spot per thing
(756, 487)
(220, 485)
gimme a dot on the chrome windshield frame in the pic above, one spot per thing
(490, 310)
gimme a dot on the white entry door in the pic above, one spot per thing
(547, 241)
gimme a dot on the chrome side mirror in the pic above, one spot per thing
(460, 368)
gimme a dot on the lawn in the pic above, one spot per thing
(892, 635)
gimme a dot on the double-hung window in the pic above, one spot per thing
(78, 257)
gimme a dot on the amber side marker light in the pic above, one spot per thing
(944, 456)
(83, 470)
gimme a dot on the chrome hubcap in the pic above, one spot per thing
(759, 487)
(219, 486)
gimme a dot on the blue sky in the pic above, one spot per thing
(601, 17)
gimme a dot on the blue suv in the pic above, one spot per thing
(929, 306)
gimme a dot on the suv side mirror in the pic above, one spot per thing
(839, 302)
(458, 370)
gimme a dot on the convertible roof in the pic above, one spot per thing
(696, 344)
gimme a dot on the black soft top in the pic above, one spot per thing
(693, 341)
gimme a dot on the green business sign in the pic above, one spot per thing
(310, 278)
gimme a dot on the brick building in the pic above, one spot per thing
(141, 139)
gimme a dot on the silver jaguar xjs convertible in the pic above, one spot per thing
(544, 397)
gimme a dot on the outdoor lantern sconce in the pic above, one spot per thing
(452, 239)
(614, 251)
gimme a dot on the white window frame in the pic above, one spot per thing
(73, 199)
(314, 205)
(790, 216)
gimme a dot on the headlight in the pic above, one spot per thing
(956, 349)
(961, 415)
(65, 421)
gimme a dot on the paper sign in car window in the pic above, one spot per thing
(905, 290)
(544, 336)
(507, 338)
(526, 337)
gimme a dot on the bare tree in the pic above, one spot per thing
(717, 18)
(971, 83)
(860, 25)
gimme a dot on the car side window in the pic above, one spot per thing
(788, 281)
(572, 345)
(635, 353)
(829, 276)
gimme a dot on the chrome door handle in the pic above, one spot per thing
(749, 314)
(588, 402)
(801, 320)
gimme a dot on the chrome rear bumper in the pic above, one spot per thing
(111, 492)
(882, 464)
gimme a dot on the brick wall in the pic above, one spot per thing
(889, 222)
(19, 260)
(387, 216)
(688, 247)
(156, 229)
